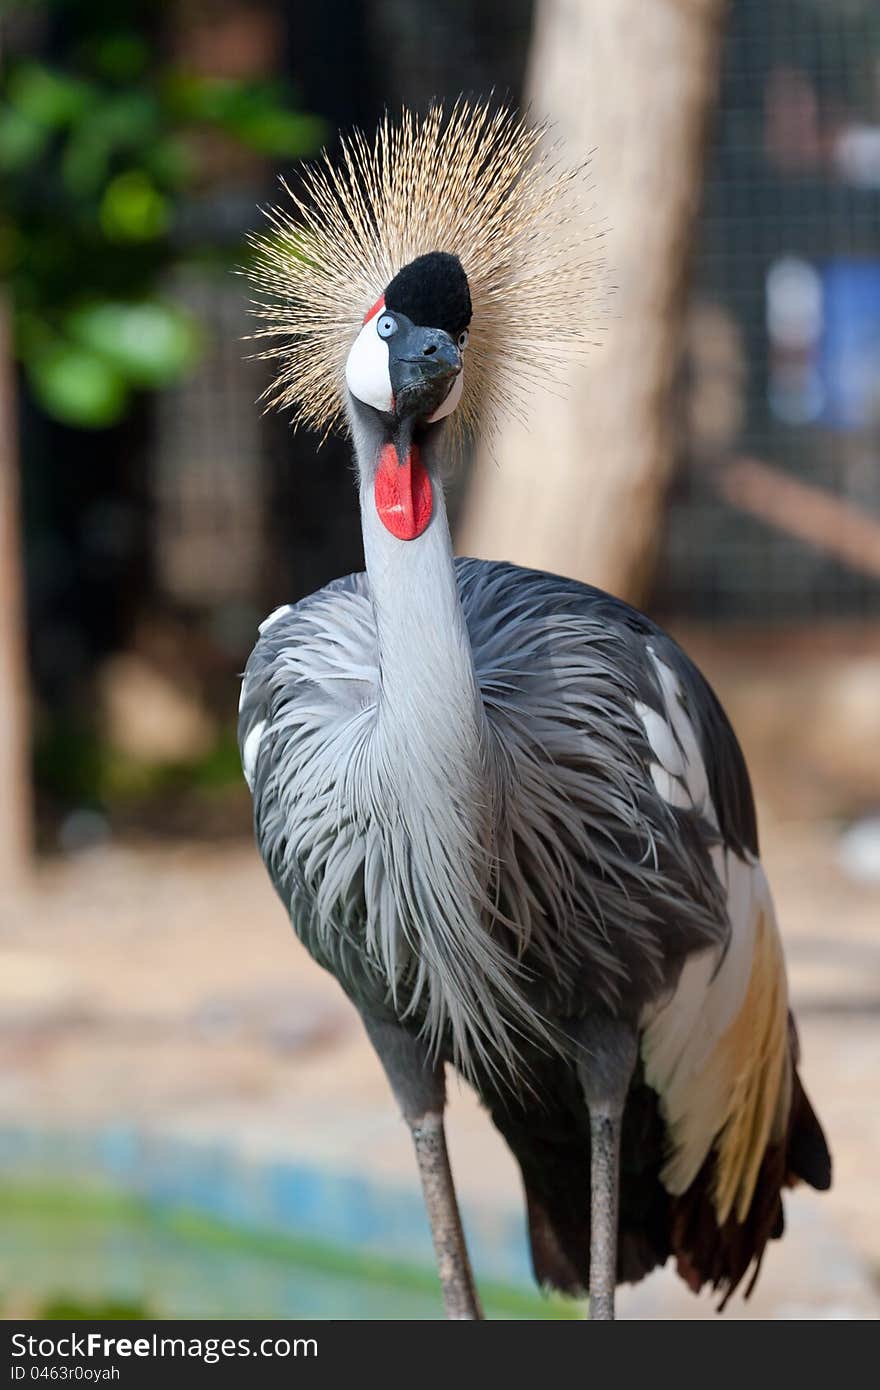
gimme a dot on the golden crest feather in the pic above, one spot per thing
(480, 183)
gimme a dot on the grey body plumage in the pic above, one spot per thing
(588, 885)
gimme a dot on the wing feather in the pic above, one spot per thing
(717, 1051)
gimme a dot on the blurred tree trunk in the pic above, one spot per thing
(15, 779)
(580, 491)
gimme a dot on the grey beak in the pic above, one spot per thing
(423, 363)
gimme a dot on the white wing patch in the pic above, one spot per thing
(250, 749)
(716, 1052)
(669, 771)
(274, 616)
(679, 773)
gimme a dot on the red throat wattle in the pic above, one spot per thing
(403, 493)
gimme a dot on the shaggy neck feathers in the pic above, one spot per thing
(431, 800)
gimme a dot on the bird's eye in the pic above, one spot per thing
(386, 326)
(462, 339)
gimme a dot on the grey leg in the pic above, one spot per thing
(453, 1265)
(420, 1089)
(605, 1069)
(604, 1193)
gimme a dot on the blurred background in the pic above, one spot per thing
(191, 1122)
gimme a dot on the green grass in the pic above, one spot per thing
(60, 1211)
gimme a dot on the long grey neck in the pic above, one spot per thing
(430, 789)
(429, 703)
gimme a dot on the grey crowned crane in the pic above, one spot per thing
(503, 808)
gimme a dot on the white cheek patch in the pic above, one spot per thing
(446, 407)
(366, 371)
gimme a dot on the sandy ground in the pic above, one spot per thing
(162, 986)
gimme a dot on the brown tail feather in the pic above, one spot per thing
(707, 1253)
(808, 1155)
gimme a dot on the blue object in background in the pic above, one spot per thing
(850, 344)
(180, 1229)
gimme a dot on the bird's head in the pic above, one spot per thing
(366, 281)
(407, 361)
(405, 373)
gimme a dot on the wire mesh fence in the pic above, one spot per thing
(781, 377)
(775, 507)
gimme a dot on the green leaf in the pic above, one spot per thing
(11, 246)
(22, 140)
(78, 387)
(256, 113)
(85, 160)
(124, 125)
(192, 97)
(121, 56)
(279, 132)
(127, 119)
(170, 162)
(133, 209)
(149, 343)
(47, 96)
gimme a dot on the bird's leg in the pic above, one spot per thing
(453, 1265)
(605, 1067)
(419, 1086)
(604, 1192)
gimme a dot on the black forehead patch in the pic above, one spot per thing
(433, 292)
